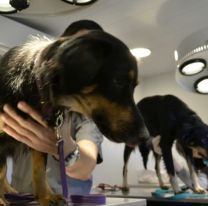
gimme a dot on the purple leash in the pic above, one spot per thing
(62, 170)
(60, 144)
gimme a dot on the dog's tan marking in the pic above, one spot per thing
(118, 116)
(132, 75)
(199, 152)
(39, 174)
(89, 89)
(3, 171)
(41, 188)
(1, 125)
(156, 145)
(8, 188)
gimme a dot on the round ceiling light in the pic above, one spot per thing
(6, 8)
(20, 4)
(201, 85)
(80, 2)
(140, 52)
(192, 67)
(12, 6)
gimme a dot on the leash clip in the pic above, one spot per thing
(58, 125)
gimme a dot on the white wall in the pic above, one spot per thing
(110, 171)
(166, 84)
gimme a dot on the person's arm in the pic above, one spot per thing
(83, 168)
(35, 133)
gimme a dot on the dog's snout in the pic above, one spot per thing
(122, 124)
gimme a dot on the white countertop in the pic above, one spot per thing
(125, 201)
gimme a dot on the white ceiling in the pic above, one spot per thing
(160, 25)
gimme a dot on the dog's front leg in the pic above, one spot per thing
(158, 171)
(3, 171)
(126, 156)
(8, 188)
(41, 188)
(195, 181)
(168, 159)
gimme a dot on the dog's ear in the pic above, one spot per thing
(80, 63)
(194, 135)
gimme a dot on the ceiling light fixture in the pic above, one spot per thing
(20, 4)
(12, 6)
(6, 8)
(192, 67)
(201, 85)
(80, 2)
(140, 52)
(192, 71)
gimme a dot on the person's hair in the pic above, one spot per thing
(77, 26)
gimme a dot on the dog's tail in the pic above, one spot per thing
(144, 149)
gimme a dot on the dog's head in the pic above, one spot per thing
(196, 138)
(96, 74)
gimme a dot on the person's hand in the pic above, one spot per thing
(33, 131)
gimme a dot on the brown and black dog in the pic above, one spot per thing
(93, 73)
(172, 119)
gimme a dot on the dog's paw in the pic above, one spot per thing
(179, 192)
(164, 187)
(52, 200)
(199, 190)
(3, 201)
(10, 189)
(125, 190)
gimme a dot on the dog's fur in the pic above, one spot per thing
(172, 119)
(92, 73)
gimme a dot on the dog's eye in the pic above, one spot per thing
(118, 82)
(191, 144)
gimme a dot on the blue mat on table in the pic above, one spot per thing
(169, 194)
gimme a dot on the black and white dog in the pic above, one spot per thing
(171, 119)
